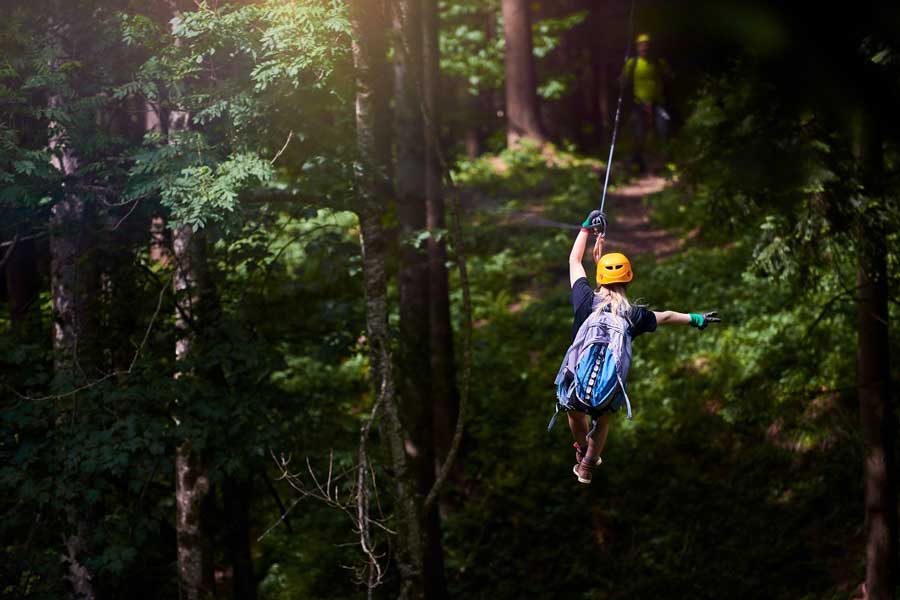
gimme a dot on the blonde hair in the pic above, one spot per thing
(613, 296)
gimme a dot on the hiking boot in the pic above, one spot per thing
(584, 472)
(579, 456)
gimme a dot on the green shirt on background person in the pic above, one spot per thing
(647, 75)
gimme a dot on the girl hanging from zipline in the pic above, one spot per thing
(591, 381)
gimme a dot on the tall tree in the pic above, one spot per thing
(523, 118)
(877, 417)
(192, 482)
(73, 287)
(192, 301)
(410, 175)
(444, 398)
(369, 25)
(444, 394)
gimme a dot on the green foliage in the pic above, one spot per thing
(468, 52)
(471, 54)
(202, 190)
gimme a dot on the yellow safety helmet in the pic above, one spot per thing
(644, 37)
(614, 268)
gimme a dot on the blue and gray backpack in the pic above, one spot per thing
(592, 376)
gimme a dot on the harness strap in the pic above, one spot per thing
(624, 393)
(553, 418)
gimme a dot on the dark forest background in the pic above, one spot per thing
(285, 292)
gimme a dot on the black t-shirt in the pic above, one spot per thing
(642, 320)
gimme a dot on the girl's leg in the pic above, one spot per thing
(578, 423)
(597, 441)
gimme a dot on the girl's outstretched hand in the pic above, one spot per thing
(701, 321)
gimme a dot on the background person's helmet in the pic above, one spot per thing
(644, 37)
(614, 268)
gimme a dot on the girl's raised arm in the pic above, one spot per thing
(576, 268)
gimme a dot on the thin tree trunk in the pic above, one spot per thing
(444, 398)
(72, 288)
(369, 50)
(193, 300)
(877, 418)
(71, 275)
(472, 115)
(472, 141)
(237, 492)
(72, 285)
(444, 393)
(475, 107)
(415, 351)
(873, 380)
(522, 108)
(192, 485)
(70, 279)
(602, 100)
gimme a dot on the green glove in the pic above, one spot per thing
(596, 222)
(593, 215)
(701, 321)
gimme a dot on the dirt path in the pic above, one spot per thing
(631, 230)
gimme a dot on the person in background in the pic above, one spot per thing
(644, 76)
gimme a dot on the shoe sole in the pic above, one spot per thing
(580, 480)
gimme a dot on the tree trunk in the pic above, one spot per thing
(192, 485)
(602, 99)
(444, 393)
(71, 275)
(70, 280)
(193, 306)
(414, 279)
(873, 388)
(444, 396)
(522, 108)
(237, 493)
(72, 288)
(191, 491)
(877, 418)
(369, 50)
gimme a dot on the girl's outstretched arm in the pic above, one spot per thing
(670, 316)
(699, 321)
